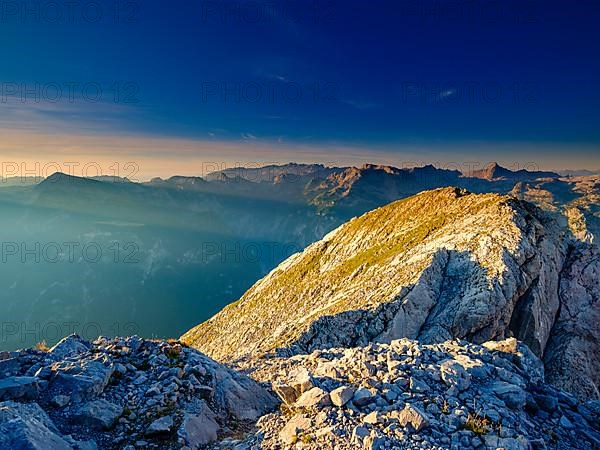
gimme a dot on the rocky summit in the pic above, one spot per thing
(440, 265)
(122, 394)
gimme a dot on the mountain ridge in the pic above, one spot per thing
(442, 264)
(495, 171)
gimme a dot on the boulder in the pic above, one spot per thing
(13, 388)
(509, 345)
(314, 398)
(60, 401)
(9, 367)
(82, 381)
(373, 418)
(455, 375)
(341, 395)
(200, 428)
(413, 416)
(513, 396)
(301, 380)
(287, 393)
(362, 397)
(417, 385)
(98, 414)
(293, 428)
(358, 434)
(241, 396)
(521, 355)
(69, 346)
(164, 425)
(27, 426)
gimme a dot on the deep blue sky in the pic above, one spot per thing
(492, 78)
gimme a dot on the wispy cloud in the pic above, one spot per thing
(358, 104)
(447, 93)
(281, 78)
(77, 115)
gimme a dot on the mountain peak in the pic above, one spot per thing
(494, 172)
(59, 176)
(367, 262)
(63, 179)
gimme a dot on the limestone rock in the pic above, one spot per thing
(200, 428)
(111, 392)
(454, 374)
(60, 401)
(287, 393)
(512, 395)
(362, 397)
(27, 426)
(81, 381)
(522, 415)
(301, 381)
(69, 346)
(98, 414)
(341, 395)
(13, 388)
(243, 398)
(294, 427)
(160, 426)
(571, 358)
(413, 416)
(316, 397)
(9, 367)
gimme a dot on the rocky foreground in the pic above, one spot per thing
(406, 395)
(122, 394)
(138, 394)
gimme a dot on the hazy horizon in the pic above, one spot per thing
(130, 169)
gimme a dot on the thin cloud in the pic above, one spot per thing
(446, 94)
(361, 105)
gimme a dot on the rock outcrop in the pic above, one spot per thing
(121, 393)
(440, 265)
(573, 355)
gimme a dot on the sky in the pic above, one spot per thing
(179, 86)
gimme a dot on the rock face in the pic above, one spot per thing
(124, 391)
(440, 265)
(502, 407)
(575, 339)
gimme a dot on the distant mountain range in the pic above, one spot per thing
(578, 173)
